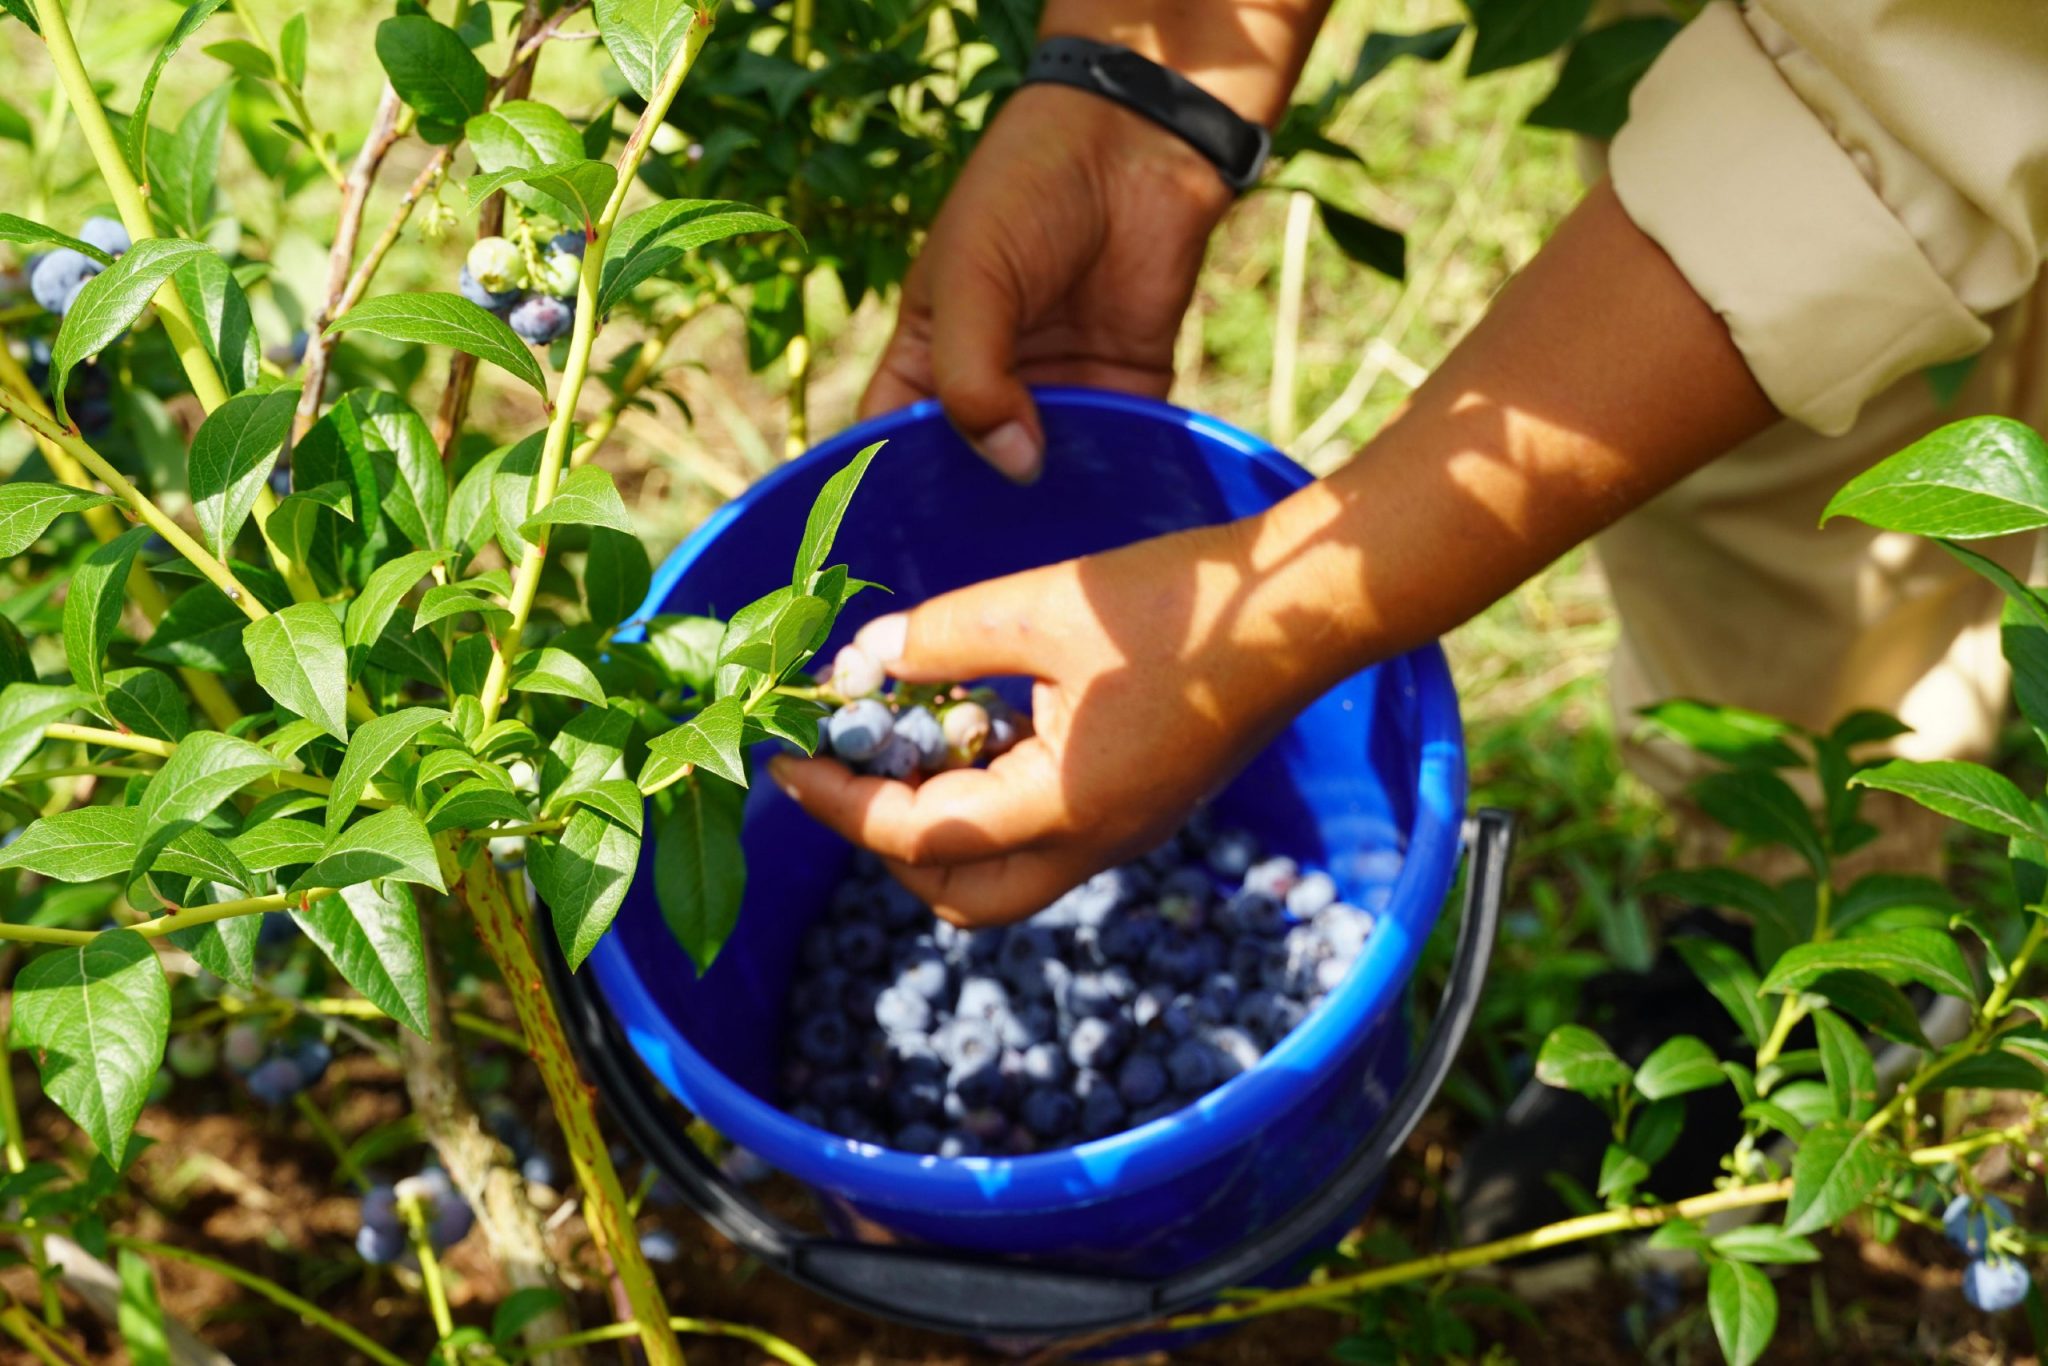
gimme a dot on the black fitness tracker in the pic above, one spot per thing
(1234, 145)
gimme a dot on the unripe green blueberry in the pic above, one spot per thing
(192, 1054)
(497, 264)
(856, 673)
(558, 274)
(966, 728)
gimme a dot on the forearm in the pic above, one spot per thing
(1596, 380)
(1247, 55)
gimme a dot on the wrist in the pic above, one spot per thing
(1247, 56)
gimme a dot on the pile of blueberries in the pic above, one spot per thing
(538, 298)
(1992, 1281)
(383, 1239)
(1126, 999)
(912, 732)
(55, 277)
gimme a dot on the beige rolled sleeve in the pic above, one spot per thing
(1851, 184)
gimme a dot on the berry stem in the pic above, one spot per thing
(149, 599)
(268, 1289)
(430, 1265)
(787, 1353)
(576, 368)
(139, 503)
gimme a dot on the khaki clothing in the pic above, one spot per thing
(1860, 188)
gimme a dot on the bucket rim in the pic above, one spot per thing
(1224, 1119)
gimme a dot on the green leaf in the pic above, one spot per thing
(1680, 1235)
(614, 797)
(1991, 1072)
(447, 600)
(583, 878)
(1874, 893)
(1835, 1168)
(687, 647)
(1510, 32)
(371, 933)
(1620, 1171)
(828, 510)
(141, 1315)
(1591, 94)
(299, 659)
(189, 23)
(473, 804)
(1733, 735)
(291, 49)
(700, 872)
(147, 702)
(616, 576)
(236, 448)
(182, 169)
(1966, 792)
(206, 770)
(92, 610)
(21, 10)
(83, 844)
(1852, 1077)
(711, 740)
(434, 71)
(1983, 476)
(14, 125)
(1766, 1243)
(375, 744)
(582, 186)
(1574, 1058)
(646, 243)
(111, 301)
(1882, 1007)
(443, 320)
(384, 434)
(217, 302)
(644, 36)
(549, 670)
(1382, 50)
(96, 1016)
(1373, 245)
(512, 496)
(794, 719)
(1929, 957)
(1679, 1064)
(586, 498)
(520, 1308)
(526, 134)
(16, 665)
(245, 57)
(27, 509)
(25, 708)
(14, 228)
(372, 609)
(585, 748)
(1742, 1305)
(392, 843)
(277, 844)
(1762, 807)
(297, 519)
(225, 948)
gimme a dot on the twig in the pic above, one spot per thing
(462, 366)
(348, 229)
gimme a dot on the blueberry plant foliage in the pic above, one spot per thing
(376, 646)
(1841, 1078)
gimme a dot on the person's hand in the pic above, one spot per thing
(1065, 254)
(1159, 670)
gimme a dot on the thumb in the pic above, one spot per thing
(998, 627)
(977, 310)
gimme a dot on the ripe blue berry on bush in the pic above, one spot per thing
(1131, 996)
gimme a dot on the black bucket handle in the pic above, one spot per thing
(986, 1297)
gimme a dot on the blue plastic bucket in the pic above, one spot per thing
(1372, 773)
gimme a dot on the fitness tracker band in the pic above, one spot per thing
(1234, 145)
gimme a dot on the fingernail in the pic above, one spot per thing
(883, 637)
(1011, 449)
(778, 772)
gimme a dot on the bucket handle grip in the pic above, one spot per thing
(990, 1298)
